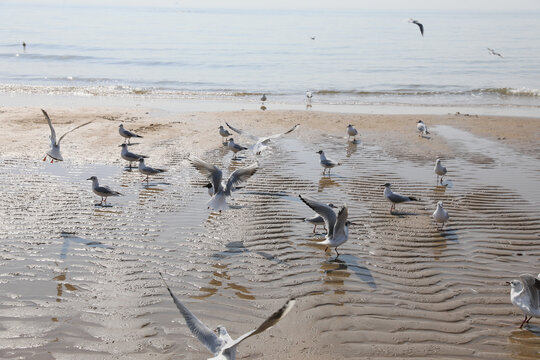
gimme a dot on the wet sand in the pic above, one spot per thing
(81, 282)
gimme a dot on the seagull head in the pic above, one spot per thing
(209, 186)
(320, 152)
(121, 126)
(332, 206)
(92, 178)
(231, 140)
(349, 126)
(221, 331)
(420, 122)
(220, 127)
(515, 285)
(387, 185)
(141, 160)
(438, 161)
(123, 145)
(440, 204)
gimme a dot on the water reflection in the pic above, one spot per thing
(61, 285)
(237, 247)
(71, 238)
(340, 268)
(352, 147)
(327, 182)
(220, 281)
(525, 343)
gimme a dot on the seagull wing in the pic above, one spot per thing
(53, 133)
(212, 172)
(268, 323)
(420, 26)
(285, 133)
(242, 132)
(341, 218)
(75, 128)
(201, 331)
(532, 286)
(240, 175)
(324, 210)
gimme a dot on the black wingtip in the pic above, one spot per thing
(413, 198)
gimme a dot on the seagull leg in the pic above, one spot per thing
(52, 161)
(314, 228)
(528, 320)
(337, 253)
(326, 249)
(523, 322)
(45, 158)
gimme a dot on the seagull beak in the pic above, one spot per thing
(508, 283)
(89, 179)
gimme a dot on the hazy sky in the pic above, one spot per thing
(316, 4)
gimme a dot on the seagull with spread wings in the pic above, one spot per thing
(261, 143)
(54, 153)
(220, 188)
(222, 345)
(419, 25)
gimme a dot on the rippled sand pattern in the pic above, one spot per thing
(81, 281)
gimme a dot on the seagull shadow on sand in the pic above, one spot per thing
(347, 262)
(237, 247)
(72, 238)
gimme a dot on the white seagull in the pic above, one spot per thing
(261, 143)
(422, 128)
(222, 345)
(103, 191)
(147, 170)
(234, 147)
(215, 175)
(440, 214)
(326, 163)
(129, 156)
(54, 153)
(395, 198)
(493, 52)
(351, 131)
(224, 133)
(525, 294)
(317, 219)
(126, 134)
(419, 25)
(439, 170)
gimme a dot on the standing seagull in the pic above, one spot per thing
(222, 345)
(224, 133)
(351, 131)
(395, 198)
(419, 25)
(422, 128)
(338, 226)
(103, 191)
(263, 99)
(126, 134)
(525, 294)
(129, 156)
(326, 163)
(221, 190)
(147, 170)
(54, 152)
(440, 214)
(235, 147)
(439, 170)
(493, 52)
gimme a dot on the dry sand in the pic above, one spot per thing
(80, 281)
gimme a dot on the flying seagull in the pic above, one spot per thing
(338, 226)
(126, 134)
(261, 143)
(493, 52)
(525, 294)
(221, 189)
(54, 152)
(222, 345)
(419, 25)
(395, 198)
(103, 191)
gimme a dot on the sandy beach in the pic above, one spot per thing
(80, 281)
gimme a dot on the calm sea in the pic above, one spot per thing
(343, 57)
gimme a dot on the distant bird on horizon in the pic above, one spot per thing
(24, 45)
(54, 152)
(103, 191)
(126, 134)
(525, 294)
(493, 52)
(313, 38)
(395, 198)
(419, 25)
(222, 346)
(263, 98)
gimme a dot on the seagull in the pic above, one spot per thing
(224, 133)
(338, 227)
(422, 128)
(317, 219)
(309, 96)
(235, 147)
(493, 52)
(327, 163)
(54, 152)
(147, 170)
(261, 143)
(222, 345)
(103, 191)
(351, 131)
(263, 98)
(419, 25)
(440, 214)
(129, 156)
(525, 294)
(126, 134)
(395, 198)
(224, 189)
(439, 170)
